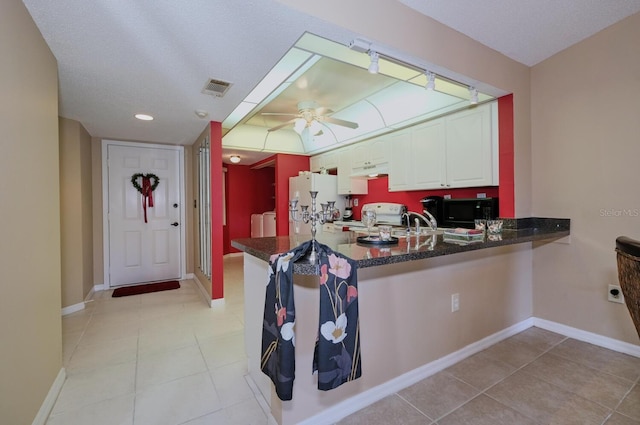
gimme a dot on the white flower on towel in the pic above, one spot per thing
(283, 262)
(335, 332)
(287, 332)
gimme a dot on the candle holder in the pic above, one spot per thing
(325, 215)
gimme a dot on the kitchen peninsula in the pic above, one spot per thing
(408, 326)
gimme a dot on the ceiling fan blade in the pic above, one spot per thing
(278, 127)
(323, 111)
(338, 121)
(279, 113)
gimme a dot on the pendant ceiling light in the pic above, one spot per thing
(374, 67)
(431, 81)
(473, 95)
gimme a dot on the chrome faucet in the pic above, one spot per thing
(432, 220)
(433, 223)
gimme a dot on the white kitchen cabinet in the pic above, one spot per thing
(371, 156)
(417, 157)
(400, 157)
(327, 160)
(427, 158)
(450, 152)
(469, 148)
(348, 185)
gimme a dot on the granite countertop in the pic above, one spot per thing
(514, 231)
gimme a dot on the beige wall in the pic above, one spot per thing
(96, 186)
(405, 318)
(409, 32)
(30, 323)
(76, 212)
(586, 147)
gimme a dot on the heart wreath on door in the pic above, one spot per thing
(146, 187)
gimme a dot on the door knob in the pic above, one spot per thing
(175, 224)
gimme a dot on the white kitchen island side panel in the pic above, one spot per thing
(405, 318)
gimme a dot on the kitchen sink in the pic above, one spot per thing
(425, 231)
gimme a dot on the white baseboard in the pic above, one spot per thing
(590, 337)
(217, 303)
(212, 303)
(203, 292)
(97, 288)
(366, 398)
(72, 308)
(189, 276)
(89, 296)
(261, 400)
(50, 399)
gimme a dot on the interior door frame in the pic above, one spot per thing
(105, 203)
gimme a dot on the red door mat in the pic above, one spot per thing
(146, 288)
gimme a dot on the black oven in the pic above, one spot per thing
(464, 212)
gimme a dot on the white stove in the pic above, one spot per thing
(387, 212)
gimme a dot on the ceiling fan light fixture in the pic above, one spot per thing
(234, 159)
(374, 67)
(315, 127)
(299, 125)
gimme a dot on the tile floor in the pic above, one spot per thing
(167, 358)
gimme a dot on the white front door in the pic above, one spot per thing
(138, 251)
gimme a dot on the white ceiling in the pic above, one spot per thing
(121, 57)
(528, 31)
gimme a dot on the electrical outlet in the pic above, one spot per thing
(447, 196)
(355, 202)
(481, 195)
(614, 294)
(455, 302)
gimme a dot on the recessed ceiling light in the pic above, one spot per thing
(201, 113)
(144, 117)
(234, 158)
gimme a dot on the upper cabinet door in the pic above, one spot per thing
(469, 148)
(379, 150)
(428, 155)
(400, 170)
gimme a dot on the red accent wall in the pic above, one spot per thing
(286, 166)
(248, 191)
(217, 242)
(379, 192)
(506, 158)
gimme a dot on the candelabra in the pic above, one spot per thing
(326, 214)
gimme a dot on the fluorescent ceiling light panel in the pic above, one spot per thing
(238, 114)
(281, 72)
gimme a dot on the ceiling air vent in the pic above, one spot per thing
(215, 87)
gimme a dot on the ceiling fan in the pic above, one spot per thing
(310, 116)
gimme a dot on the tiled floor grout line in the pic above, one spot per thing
(411, 404)
(484, 391)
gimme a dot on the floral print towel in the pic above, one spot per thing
(336, 357)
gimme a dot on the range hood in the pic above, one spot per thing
(379, 171)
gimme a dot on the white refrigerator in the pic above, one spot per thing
(327, 187)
